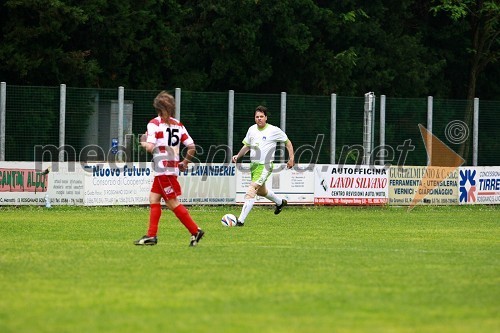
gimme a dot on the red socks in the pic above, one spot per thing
(154, 219)
(181, 212)
(183, 215)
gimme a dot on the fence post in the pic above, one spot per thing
(382, 129)
(374, 110)
(121, 102)
(368, 128)
(283, 123)
(230, 125)
(333, 127)
(428, 140)
(475, 133)
(62, 121)
(178, 104)
(283, 112)
(3, 102)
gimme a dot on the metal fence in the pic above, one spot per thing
(77, 124)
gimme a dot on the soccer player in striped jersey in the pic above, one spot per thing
(260, 140)
(163, 139)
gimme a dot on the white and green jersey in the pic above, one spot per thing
(262, 142)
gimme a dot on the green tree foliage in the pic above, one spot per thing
(480, 47)
(396, 47)
(388, 37)
(480, 35)
(219, 47)
(300, 38)
(37, 46)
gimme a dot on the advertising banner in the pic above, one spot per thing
(350, 185)
(479, 185)
(438, 185)
(208, 184)
(29, 183)
(130, 184)
(103, 184)
(66, 184)
(117, 184)
(295, 185)
(22, 180)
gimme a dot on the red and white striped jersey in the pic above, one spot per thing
(167, 139)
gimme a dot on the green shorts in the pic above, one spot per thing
(260, 172)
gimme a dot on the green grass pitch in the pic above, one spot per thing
(309, 269)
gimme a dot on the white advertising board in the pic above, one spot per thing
(26, 183)
(102, 184)
(350, 185)
(117, 184)
(130, 184)
(479, 185)
(208, 184)
(296, 185)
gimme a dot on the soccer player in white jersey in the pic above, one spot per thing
(261, 141)
(163, 139)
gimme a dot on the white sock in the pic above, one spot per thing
(273, 197)
(247, 207)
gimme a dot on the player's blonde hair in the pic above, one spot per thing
(164, 104)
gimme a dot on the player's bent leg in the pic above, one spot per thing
(270, 195)
(280, 203)
(183, 215)
(252, 190)
(262, 190)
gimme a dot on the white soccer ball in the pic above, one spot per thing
(229, 220)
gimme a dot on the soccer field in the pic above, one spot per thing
(309, 269)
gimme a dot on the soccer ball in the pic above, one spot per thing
(229, 220)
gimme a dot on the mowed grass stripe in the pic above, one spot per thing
(309, 269)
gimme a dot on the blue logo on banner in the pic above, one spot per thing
(467, 185)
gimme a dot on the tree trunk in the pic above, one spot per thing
(465, 147)
(478, 45)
